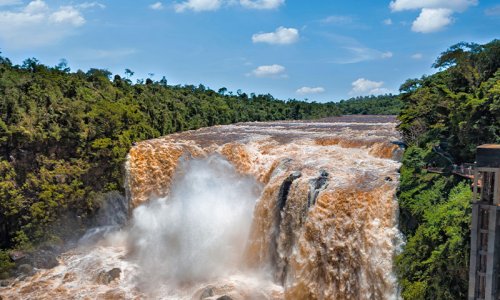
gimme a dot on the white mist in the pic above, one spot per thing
(199, 231)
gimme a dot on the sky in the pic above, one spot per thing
(317, 50)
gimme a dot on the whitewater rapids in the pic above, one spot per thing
(273, 210)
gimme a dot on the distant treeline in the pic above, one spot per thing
(371, 105)
(64, 137)
(444, 118)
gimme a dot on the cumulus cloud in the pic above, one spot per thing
(262, 4)
(212, 5)
(272, 71)
(417, 56)
(388, 21)
(364, 86)
(281, 36)
(198, 5)
(432, 19)
(434, 15)
(310, 90)
(37, 24)
(67, 15)
(454, 5)
(156, 6)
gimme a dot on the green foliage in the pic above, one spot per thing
(5, 263)
(371, 105)
(444, 118)
(434, 264)
(459, 106)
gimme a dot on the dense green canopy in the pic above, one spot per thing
(444, 118)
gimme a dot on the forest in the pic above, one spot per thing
(444, 118)
(64, 137)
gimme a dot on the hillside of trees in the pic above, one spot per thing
(371, 105)
(444, 118)
(64, 137)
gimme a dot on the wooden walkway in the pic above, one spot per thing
(464, 170)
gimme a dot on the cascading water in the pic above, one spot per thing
(283, 210)
(198, 232)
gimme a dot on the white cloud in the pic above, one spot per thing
(213, 5)
(156, 6)
(432, 19)
(434, 15)
(387, 54)
(86, 5)
(36, 6)
(364, 86)
(281, 36)
(417, 56)
(262, 4)
(272, 71)
(310, 90)
(388, 21)
(38, 25)
(67, 15)
(454, 5)
(198, 5)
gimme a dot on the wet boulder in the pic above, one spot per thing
(45, 259)
(25, 269)
(5, 282)
(106, 277)
(207, 293)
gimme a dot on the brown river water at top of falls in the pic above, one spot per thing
(265, 210)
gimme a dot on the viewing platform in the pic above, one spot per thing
(464, 170)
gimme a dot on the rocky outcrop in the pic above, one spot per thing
(106, 277)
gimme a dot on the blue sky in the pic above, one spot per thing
(317, 50)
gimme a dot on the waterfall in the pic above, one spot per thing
(279, 210)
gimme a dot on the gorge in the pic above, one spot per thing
(265, 210)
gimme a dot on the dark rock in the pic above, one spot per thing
(115, 273)
(285, 188)
(45, 259)
(106, 277)
(207, 292)
(5, 282)
(225, 297)
(25, 269)
(388, 179)
(316, 186)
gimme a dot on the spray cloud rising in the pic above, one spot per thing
(198, 231)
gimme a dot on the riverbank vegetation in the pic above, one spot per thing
(444, 118)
